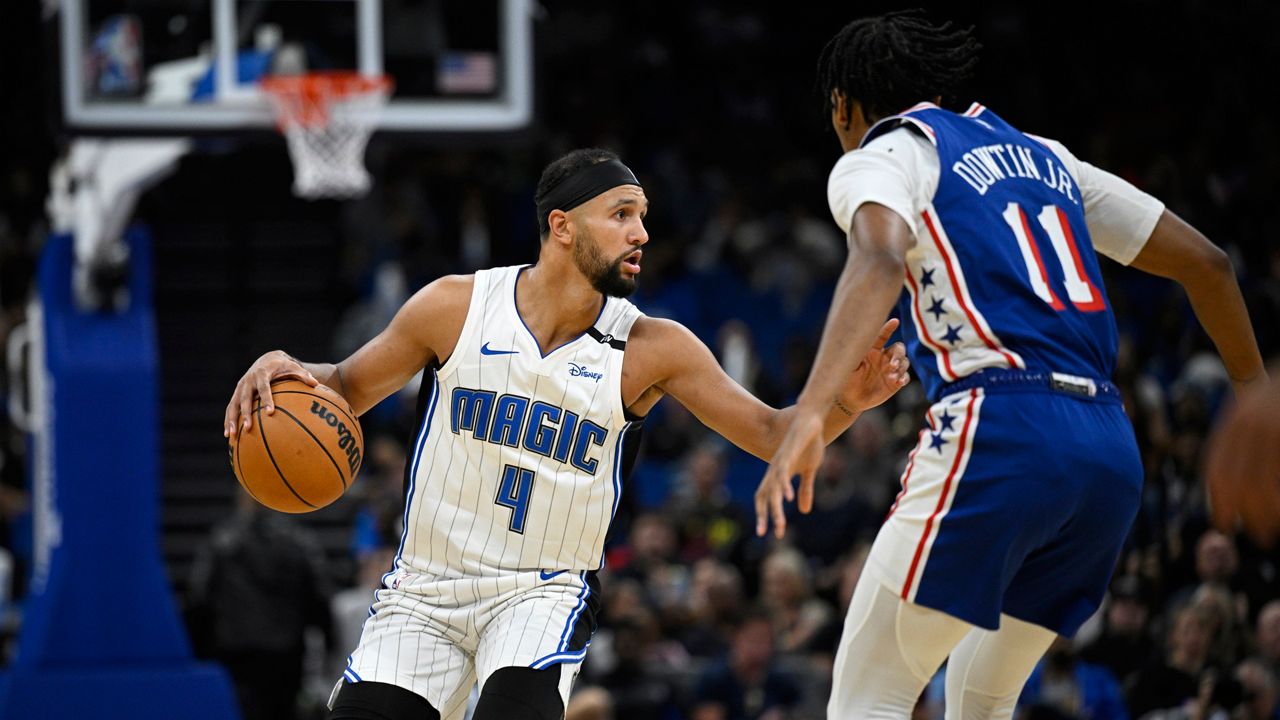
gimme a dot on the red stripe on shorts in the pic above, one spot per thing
(942, 501)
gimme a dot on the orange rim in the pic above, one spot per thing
(305, 99)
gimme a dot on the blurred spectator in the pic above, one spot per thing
(672, 438)
(589, 703)
(872, 460)
(255, 588)
(1125, 644)
(1070, 687)
(1258, 691)
(839, 515)
(1216, 558)
(848, 571)
(651, 560)
(708, 521)
(734, 350)
(787, 593)
(817, 241)
(746, 686)
(1269, 634)
(713, 604)
(350, 607)
(641, 689)
(380, 494)
(365, 319)
(1228, 631)
(1172, 680)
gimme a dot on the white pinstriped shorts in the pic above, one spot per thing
(438, 637)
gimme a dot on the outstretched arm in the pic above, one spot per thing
(1242, 460)
(1179, 252)
(684, 368)
(869, 285)
(426, 328)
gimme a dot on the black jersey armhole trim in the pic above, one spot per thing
(609, 340)
(424, 398)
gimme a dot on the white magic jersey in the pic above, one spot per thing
(519, 461)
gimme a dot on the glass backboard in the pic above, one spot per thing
(174, 66)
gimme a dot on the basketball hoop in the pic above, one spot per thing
(327, 118)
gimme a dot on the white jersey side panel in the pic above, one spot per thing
(518, 463)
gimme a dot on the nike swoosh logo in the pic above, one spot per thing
(486, 350)
(547, 576)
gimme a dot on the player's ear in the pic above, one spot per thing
(558, 227)
(839, 110)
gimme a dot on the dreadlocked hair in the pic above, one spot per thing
(893, 61)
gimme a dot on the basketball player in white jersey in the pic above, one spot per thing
(537, 381)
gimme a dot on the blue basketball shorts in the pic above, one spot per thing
(1015, 500)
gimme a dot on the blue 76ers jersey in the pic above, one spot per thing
(1004, 273)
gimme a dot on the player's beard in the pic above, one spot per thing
(604, 276)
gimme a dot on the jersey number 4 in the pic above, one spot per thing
(1080, 289)
(513, 492)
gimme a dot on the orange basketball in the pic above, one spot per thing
(304, 455)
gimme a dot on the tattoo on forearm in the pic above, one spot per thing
(842, 407)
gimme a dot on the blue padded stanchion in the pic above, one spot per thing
(100, 635)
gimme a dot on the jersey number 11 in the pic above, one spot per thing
(1080, 289)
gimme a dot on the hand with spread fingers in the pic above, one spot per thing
(257, 381)
(882, 372)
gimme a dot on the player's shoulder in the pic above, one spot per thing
(905, 136)
(660, 341)
(447, 289)
(658, 348)
(654, 333)
(1054, 145)
(448, 296)
(1060, 151)
(904, 147)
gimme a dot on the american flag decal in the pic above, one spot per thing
(467, 73)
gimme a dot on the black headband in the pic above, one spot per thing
(584, 185)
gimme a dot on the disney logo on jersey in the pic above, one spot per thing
(576, 370)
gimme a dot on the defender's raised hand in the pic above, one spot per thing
(883, 372)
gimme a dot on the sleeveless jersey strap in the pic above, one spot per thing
(606, 339)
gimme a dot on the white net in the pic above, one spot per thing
(327, 119)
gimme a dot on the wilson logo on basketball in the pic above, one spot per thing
(346, 441)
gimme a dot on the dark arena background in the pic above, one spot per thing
(137, 581)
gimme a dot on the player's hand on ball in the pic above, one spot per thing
(1242, 465)
(883, 372)
(257, 382)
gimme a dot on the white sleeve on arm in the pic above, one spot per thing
(898, 170)
(1120, 216)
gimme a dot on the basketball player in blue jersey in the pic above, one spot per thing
(537, 380)
(1026, 477)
